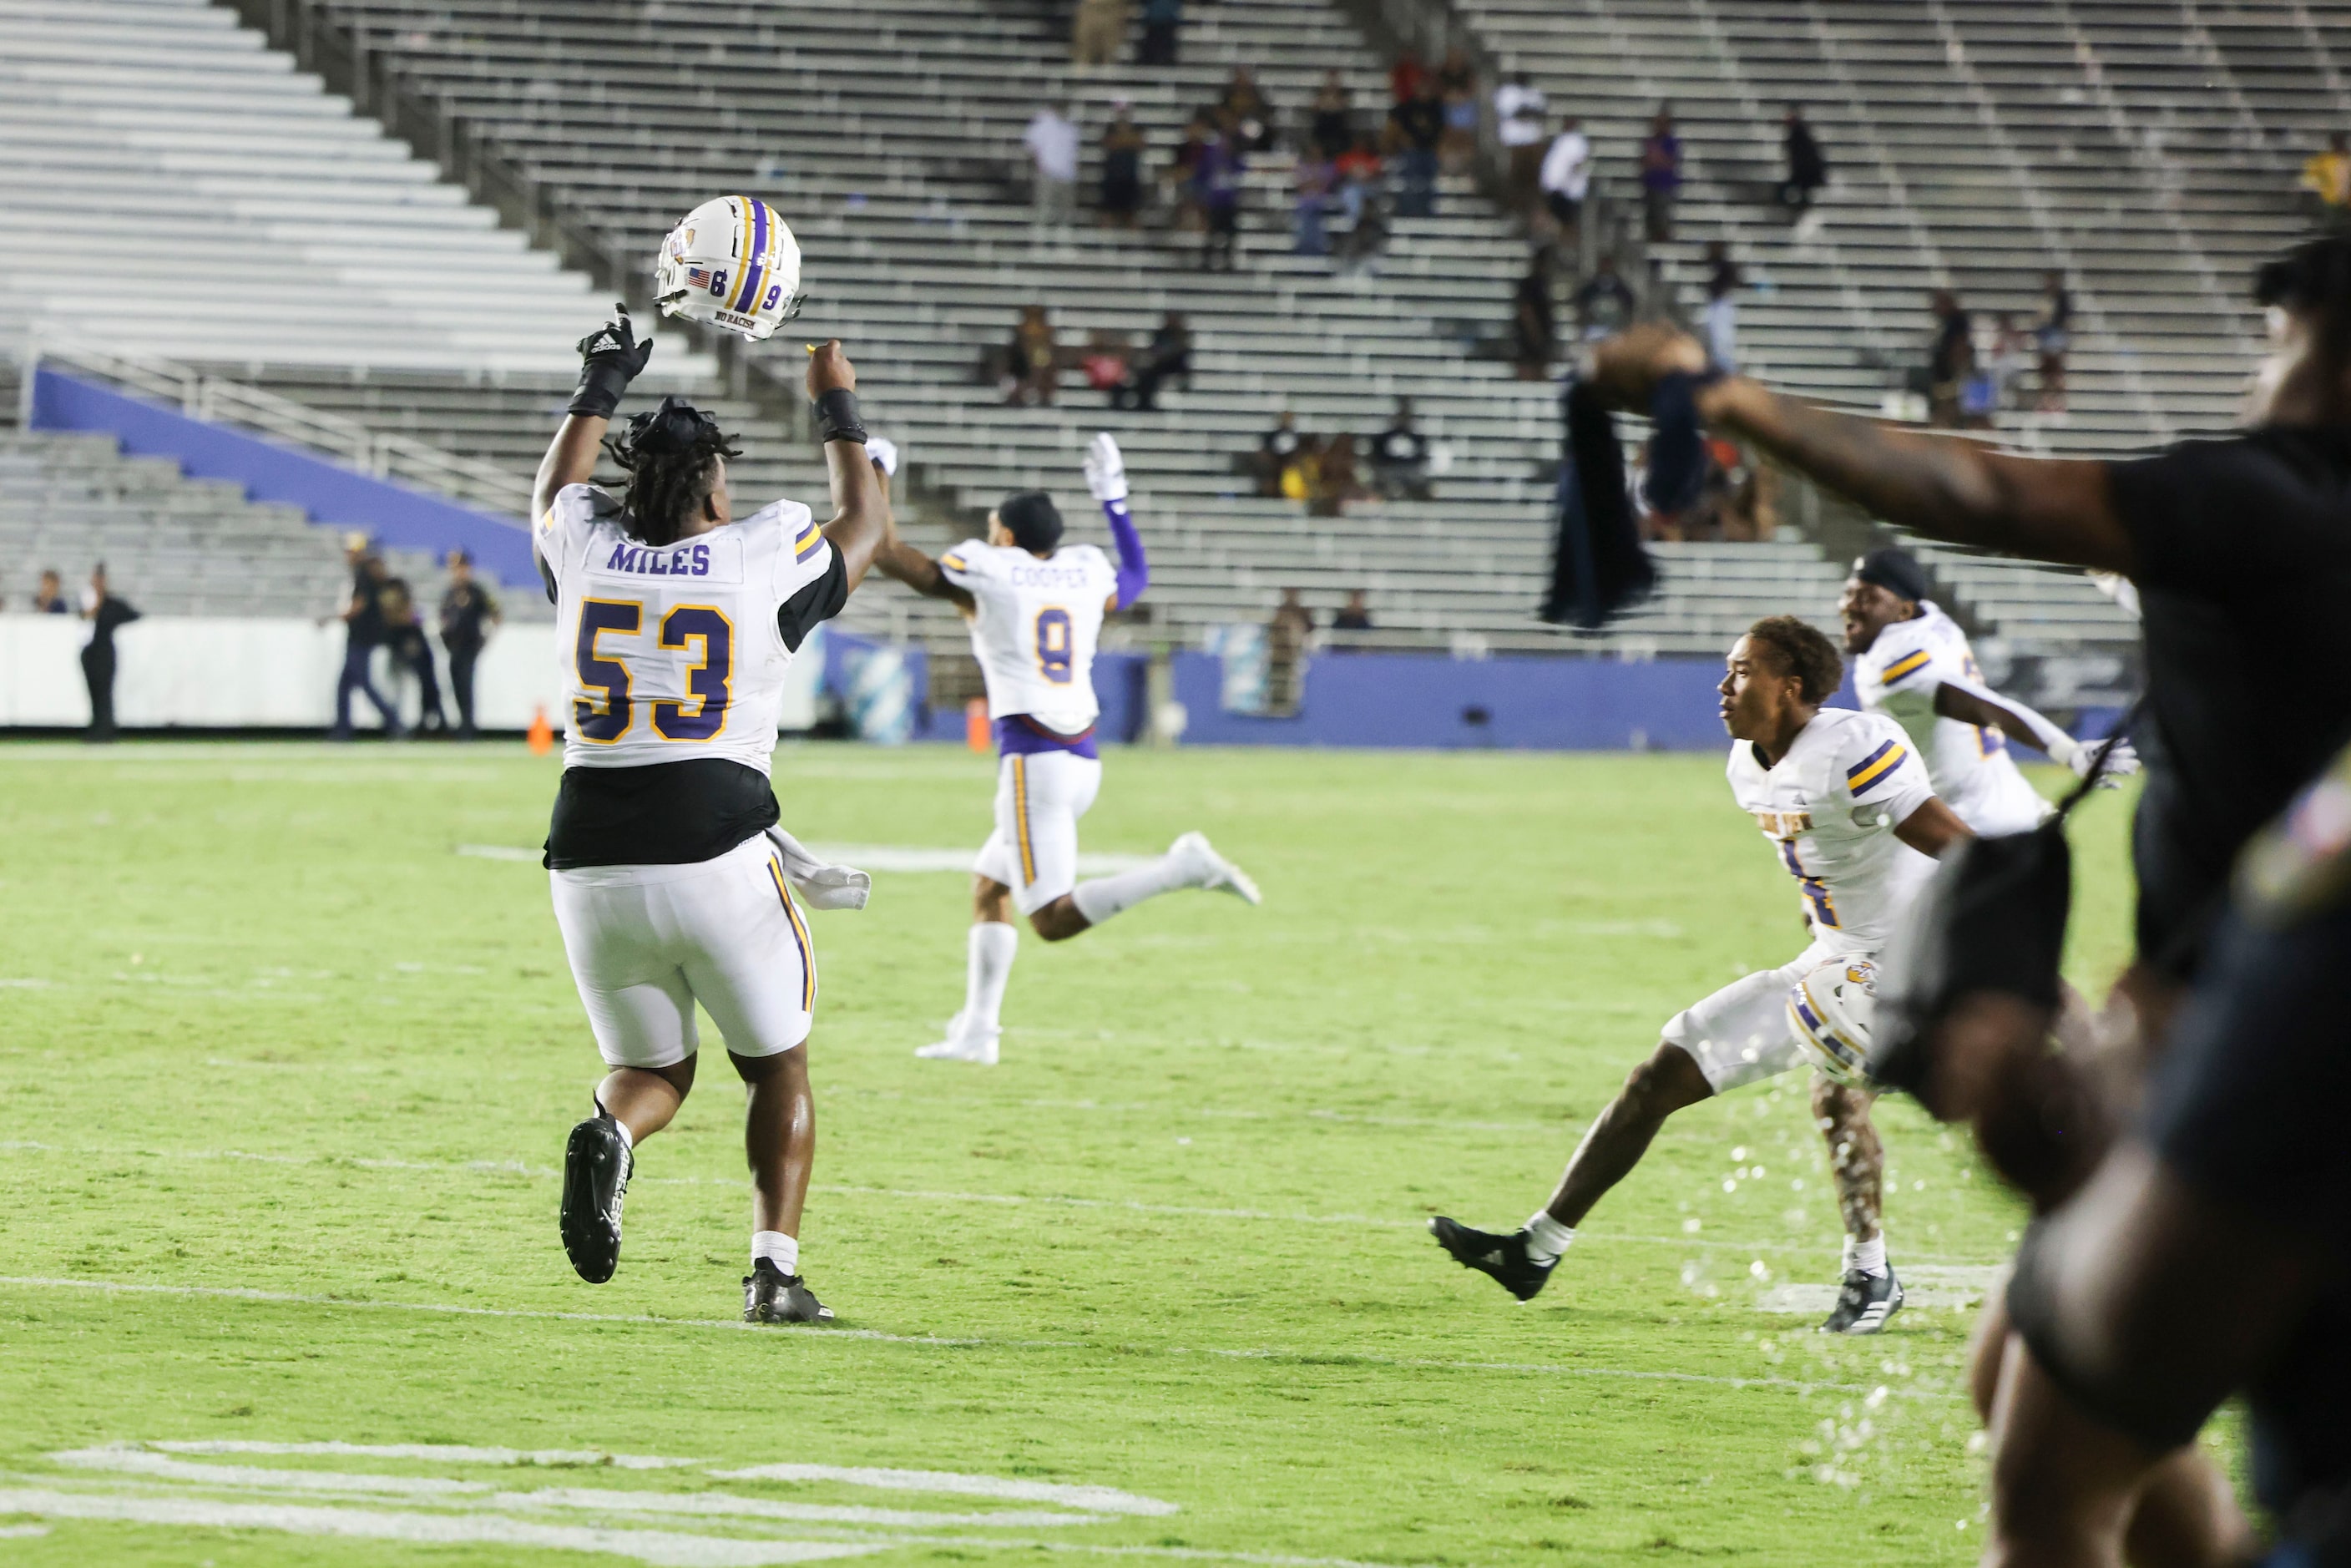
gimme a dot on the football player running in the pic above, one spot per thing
(1912, 662)
(1036, 608)
(1843, 799)
(671, 880)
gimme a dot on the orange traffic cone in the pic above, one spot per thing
(542, 737)
(975, 732)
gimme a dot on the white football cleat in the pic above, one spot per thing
(1214, 873)
(963, 1045)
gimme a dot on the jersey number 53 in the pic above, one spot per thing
(699, 628)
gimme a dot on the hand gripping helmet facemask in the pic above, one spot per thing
(1832, 1009)
(732, 263)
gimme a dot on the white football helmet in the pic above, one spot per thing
(732, 263)
(1832, 1009)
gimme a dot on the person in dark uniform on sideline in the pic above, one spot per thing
(364, 621)
(404, 631)
(467, 614)
(2240, 548)
(104, 613)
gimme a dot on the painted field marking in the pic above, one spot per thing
(1923, 1285)
(452, 1453)
(1094, 1500)
(814, 1333)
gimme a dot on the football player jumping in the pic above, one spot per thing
(1036, 608)
(1839, 795)
(672, 883)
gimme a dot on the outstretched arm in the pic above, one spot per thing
(1933, 829)
(609, 359)
(861, 528)
(1948, 488)
(1980, 707)
(1106, 478)
(920, 572)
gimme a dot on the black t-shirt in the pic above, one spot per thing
(1420, 122)
(2248, 1107)
(368, 626)
(111, 613)
(1400, 447)
(679, 813)
(463, 609)
(2244, 581)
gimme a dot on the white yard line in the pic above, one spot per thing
(1269, 1352)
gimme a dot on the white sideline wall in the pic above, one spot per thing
(218, 672)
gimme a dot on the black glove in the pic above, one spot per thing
(611, 358)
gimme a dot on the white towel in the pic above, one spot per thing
(823, 886)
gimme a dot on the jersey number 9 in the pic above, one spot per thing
(1054, 642)
(709, 679)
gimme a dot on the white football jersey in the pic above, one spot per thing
(1829, 809)
(673, 654)
(1971, 766)
(1034, 626)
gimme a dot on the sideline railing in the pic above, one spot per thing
(221, 399)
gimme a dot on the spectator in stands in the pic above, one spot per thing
(1123, 146)
(1566, 177)
(1457, 87)
(1950, 359)
(1405, 76)
(1286, 637)
(1276, 450)
(49, 598)
(1333, 125)
(1096, 31)
(1336, 483)
(1722, 319)
(2052, 334)
(1182, 170)
(1808, 166)
(1314, 183)
(105, 613)
(1162, 22)
(1034, 362)
(404, 634)
(1217, 185)
(468, 615)
(1661, 175)
(1052, 140)
(364, 634)
(1365, 209)
(1605, 304)
(2007, 362)
(1400, 457)
(1414, 128)
(1170, 353)
(2327, 180)
(1356, 617)
(1107, 364)
(1534, 321)
(1245, 109)
(1521, 115)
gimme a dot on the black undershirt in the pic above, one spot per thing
(679, 813)
(2244, 580)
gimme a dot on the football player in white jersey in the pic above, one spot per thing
(1912, 662)
(1839, 795)
(676, 619)
(1036, 608)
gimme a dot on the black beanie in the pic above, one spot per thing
(1035, 522)
(1895, 571)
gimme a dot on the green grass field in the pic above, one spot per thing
(295, 1075)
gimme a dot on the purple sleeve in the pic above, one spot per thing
(1133, 571)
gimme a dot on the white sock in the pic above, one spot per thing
(627, 1142)
(1547, 1237)
(1869, 1256)
(992, 943)
(1107, 895)
(779, 1248)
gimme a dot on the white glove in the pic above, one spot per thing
(2078, 755)
(1105, 470)
(824, 886)
(884, 454)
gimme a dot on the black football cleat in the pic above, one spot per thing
(596, 1165)
(1864, 1302)
(772, 1296)
(1503, 1257)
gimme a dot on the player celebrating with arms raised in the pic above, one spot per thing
(670, 879)
(1838, 794)
(1036, 609)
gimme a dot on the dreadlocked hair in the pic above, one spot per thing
(669, 453)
